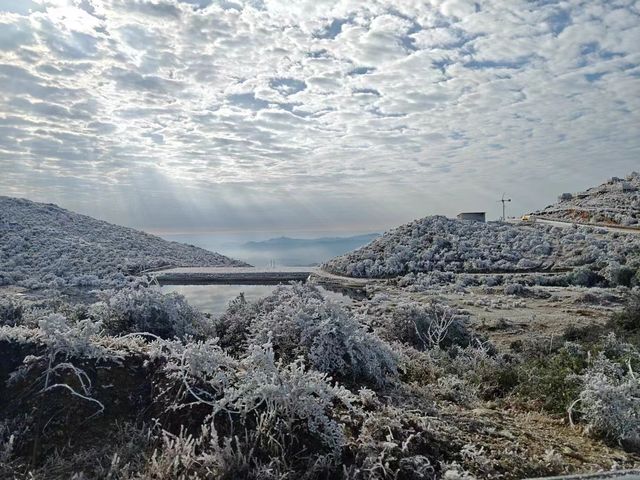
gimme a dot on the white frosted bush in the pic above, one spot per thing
(300, 322)
(285, 392)
(610, 401)
(233, 326)
(148, 310)
(419, 325)
(202, 367)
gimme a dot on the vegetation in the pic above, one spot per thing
(433, 249)
(301, 387)
(45, 246)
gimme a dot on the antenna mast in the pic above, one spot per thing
(504, 201)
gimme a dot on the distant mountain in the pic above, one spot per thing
(44, 245)
(287, 242)
(616, 202)
(301, 252)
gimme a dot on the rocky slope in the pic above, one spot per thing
(616, 202)
(45, 245)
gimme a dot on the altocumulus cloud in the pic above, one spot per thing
(232, 113)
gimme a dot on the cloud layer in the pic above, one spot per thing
(231, 113)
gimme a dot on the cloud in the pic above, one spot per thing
(235, 108)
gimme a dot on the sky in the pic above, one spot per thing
(179, 116)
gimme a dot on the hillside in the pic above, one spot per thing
(441, 244)
(616, 202)
(45, 245)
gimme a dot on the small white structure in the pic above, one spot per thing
(473, 216)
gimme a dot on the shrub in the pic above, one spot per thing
(628, 319)
(10, 311)
(148, 310)
(272, 414)
(424, 326)
(584, 277)
(300, 322)
(552, 379)
(610, 402)
(233, 326)
(514, 289)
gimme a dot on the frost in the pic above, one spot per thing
(610, 401)
(416, 324)
(435, 248)
(42, 245)
(148, 310)
(300, 322)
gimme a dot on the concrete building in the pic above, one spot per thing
(473, 216)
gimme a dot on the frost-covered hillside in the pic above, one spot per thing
(616, 202)
(45, 245)
(441, 244)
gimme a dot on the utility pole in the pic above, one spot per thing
(504, 201)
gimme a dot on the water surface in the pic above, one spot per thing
(214, 299)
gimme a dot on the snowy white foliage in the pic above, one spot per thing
(610, 401)
(440, 244)
(286, 392)
(301, 322)
(148, 310)
(277, 408)
(422, 326)
(45, 245)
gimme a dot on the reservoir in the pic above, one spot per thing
(214, 298)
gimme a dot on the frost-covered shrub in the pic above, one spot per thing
(628, 320)
(457, 390)
(233, 326)
(489, 372)
(202, 367)
(64, 338)
(550, 377)
(282, 393)
(584, 277)
(610, 401)
(462, 375)
(422, 326)
(273, 413)
(11, 311)
(514, 289)
(148, 310)
(394, 443)
(619, 275)
(300, 322)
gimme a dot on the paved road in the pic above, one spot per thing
(559, 223)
